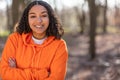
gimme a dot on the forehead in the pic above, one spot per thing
(37, 8)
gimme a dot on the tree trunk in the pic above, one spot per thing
(81, 19)
(92, 10)
(21, 7)
(15, 13)
(105, 18)
(9, 16)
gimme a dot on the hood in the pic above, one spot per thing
(27, 39)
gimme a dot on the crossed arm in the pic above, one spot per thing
(10, 71)
(36, 74)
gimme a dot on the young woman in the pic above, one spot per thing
(35, 51)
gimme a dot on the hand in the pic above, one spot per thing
(12, 62)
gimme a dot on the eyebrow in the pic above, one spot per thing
(42, 12)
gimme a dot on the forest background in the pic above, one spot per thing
(92, 33)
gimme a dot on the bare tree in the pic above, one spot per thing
(93, 23)
(81, 18)
(21, 6)
(105, 17)
(9, 15)
(15, 13)
(17, 9)
(117, 14)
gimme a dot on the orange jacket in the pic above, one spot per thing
(34, 62)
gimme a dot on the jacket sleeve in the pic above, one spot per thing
(6, 72)
(40, 74)
(58, 66)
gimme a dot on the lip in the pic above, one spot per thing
(38, 26)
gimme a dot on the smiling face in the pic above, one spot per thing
(38, 19)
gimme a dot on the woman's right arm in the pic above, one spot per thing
(7, 72)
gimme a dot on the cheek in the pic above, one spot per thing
(30, 22)
(47, 21)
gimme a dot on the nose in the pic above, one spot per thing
(39, 19)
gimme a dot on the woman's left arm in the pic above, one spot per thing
(57, 68)
(59, 64)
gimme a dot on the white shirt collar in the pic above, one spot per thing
(38, 41)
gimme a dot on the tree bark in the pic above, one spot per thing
(15, 13)
(9, 16)
(105, 18)
(93, 23)
(81, 19)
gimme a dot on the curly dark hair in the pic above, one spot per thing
(54, 28)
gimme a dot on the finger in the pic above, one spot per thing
(12, 58)
(11, 62)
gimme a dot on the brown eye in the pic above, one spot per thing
(45, 15)
(32, 16)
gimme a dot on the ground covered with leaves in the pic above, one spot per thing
(80, 67)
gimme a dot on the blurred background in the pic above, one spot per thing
(92, 34)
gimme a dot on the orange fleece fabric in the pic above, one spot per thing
(34, 62)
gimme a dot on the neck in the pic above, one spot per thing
(39, 36)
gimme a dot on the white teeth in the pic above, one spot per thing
(38, 26)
